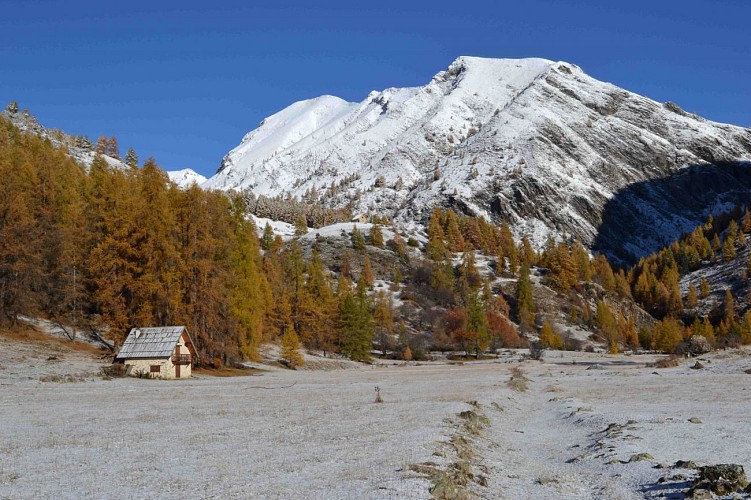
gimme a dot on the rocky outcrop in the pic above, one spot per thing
(79, 148)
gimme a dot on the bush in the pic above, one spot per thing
(668, 362)
(536, 351)
(518, 380)
(117, 370)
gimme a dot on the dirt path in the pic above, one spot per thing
(531, 445)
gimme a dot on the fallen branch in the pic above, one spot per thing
(262, 387)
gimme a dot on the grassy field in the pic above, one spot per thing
(458, 429)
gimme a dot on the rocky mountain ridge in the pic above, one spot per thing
(537, 143)
(79, 148)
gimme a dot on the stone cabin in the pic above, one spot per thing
(161, 352)
(362, 219)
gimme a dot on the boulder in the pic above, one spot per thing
(694, 346)
(721, 479)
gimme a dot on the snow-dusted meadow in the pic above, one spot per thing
(320, 433)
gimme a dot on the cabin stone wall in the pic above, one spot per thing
(166, 368)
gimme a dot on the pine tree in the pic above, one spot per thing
(356, 325)
(477, 325)
(267, 239)
(84, 142)
(524, 300)
(301, 225)
(358, 241)
(376, 236)
(131, 158)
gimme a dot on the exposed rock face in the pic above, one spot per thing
(535, 142)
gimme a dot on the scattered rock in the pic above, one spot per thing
(699, 494)
(640, 457)
(697, 366)
(721, 479)
(594, 367)
(685, 464)
(747, 371)
(694, 420)
(546, 480)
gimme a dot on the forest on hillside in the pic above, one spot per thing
(108, 249)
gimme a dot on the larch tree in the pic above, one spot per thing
(367, 273)
(692, 299)
(704, 288)
(291, 348)
(549, 338)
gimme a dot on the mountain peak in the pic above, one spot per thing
(535, 142)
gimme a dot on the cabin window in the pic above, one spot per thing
(156, 368)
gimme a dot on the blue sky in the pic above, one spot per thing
(183, 82)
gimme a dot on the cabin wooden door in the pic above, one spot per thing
(177, 371)
(177, 359)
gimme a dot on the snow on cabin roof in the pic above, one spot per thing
(158, 342)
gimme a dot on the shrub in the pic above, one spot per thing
(117, 370)
(536, 351)
(518, 380)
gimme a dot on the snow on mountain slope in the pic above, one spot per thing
(186, 177)
(535, 142)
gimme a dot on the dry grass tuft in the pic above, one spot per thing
(518, 380)
(668, 362)
(226, 371)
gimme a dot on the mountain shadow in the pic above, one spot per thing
(645, 216)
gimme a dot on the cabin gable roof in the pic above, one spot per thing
(156, 342)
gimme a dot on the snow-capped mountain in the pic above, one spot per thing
(186, 177)
(536, 142)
